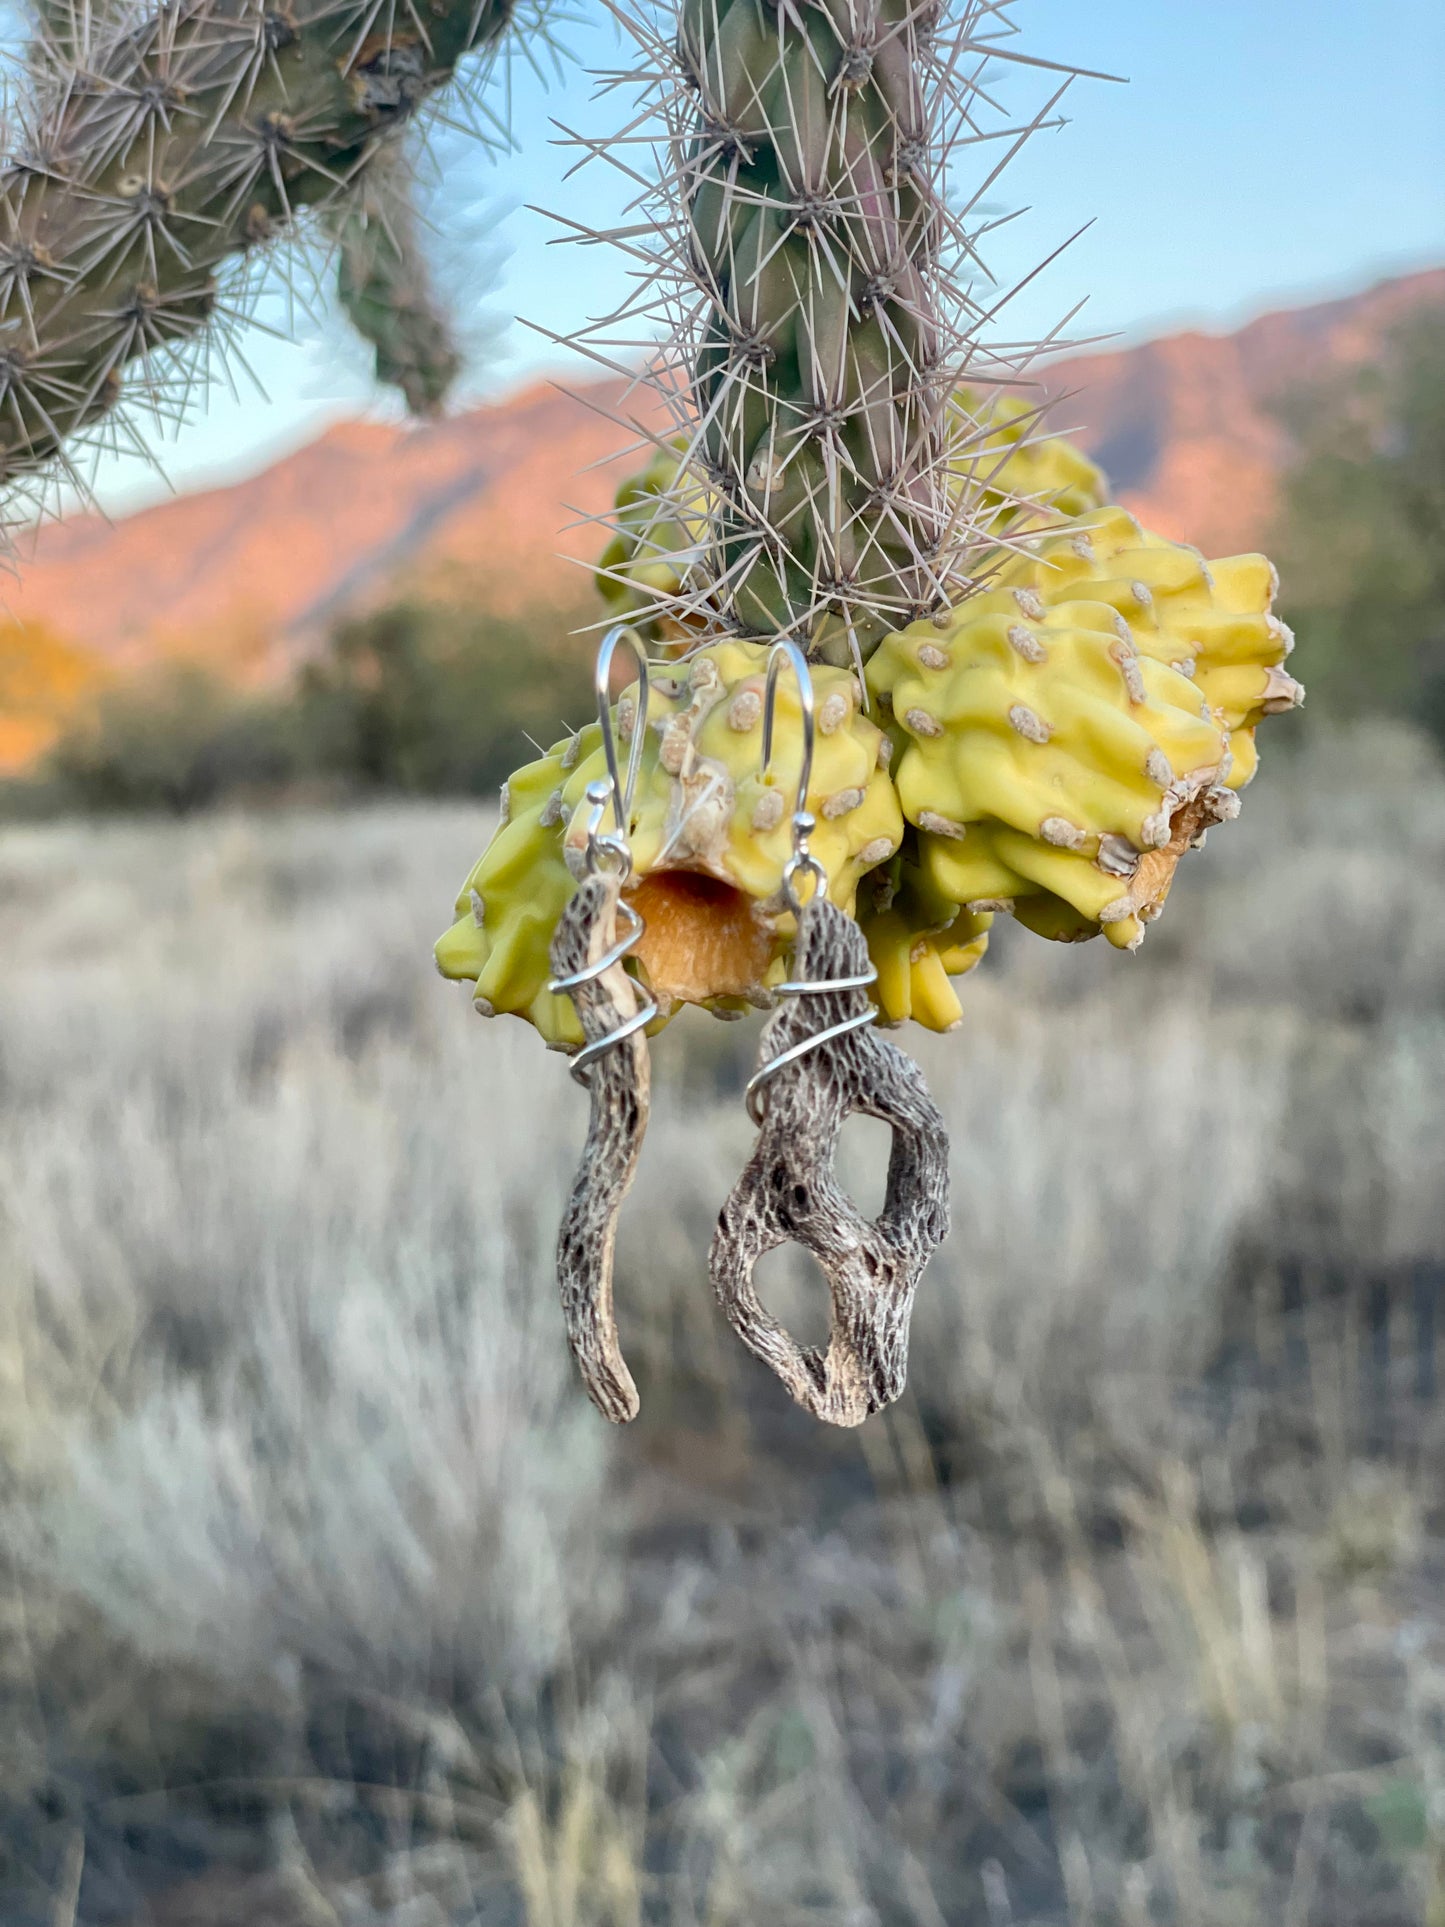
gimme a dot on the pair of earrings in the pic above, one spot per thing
(820, 1061)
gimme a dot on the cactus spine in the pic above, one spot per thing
(811, 255)
(157, 146)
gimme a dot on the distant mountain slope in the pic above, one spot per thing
(250, 575)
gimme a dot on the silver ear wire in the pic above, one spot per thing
(615, 844)
(802, 860)
(803, 821)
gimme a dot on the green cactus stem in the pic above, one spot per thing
(155, 151)
(811, 262)
(820, 375)
(385, 287)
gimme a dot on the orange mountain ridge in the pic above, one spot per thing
(251, 576)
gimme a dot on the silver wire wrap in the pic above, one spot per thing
(615, 845)
(800, 862)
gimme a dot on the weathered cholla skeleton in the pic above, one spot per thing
(1014, 698)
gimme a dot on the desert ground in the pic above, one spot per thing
(326, 1600)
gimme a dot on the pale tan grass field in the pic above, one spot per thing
(328, 1598)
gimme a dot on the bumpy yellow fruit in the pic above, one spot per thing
(1056, 744)
(1065, 738)
(709, 832)
(1213, 620)
(1020, 469)
(918, 941)
(508, 907)
(661, 517)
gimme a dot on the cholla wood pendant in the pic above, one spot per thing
(819, 1062)
(822, 1062)
(613, 1012)
(587, 953)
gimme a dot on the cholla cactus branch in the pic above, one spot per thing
(385, 286)
(819, 289)
(159, 144)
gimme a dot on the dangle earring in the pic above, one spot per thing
(595, 932)
(819, 1062)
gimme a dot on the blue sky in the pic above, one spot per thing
(1262, 152)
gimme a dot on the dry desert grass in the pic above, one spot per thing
(327, 1599)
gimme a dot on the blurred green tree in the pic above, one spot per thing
(1361, 540)
(176, 737)
(439, 697)
(433, 698)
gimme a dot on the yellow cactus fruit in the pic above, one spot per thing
(1057, 742)
(709, 833)
(1020, 468)
(917, 941)
(508, 907)
(661, 518)
(1050, 767)
(1209, 620)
